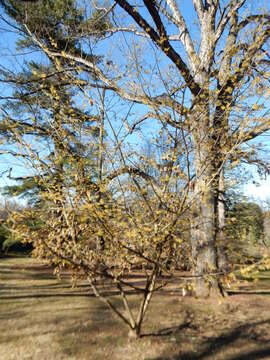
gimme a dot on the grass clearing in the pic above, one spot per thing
(42, 317)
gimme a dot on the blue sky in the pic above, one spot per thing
(260, 193)
(7, 50)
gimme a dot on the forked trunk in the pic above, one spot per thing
(135, 333)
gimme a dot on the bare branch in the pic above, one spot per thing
(198, 5)
(184, 35)
(254, 132)
(161, 40)
(235, 6)
(108, 302)
(164, 99)
(253, 18)
(246, 61)
(131, 30)
(131, 171)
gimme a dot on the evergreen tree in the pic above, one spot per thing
(44, 104)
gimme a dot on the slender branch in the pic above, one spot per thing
(107, 302)
(147, 297)
(163, 100)
(105, 11)
(126, 304)
(101, 138)
(235, 6)
(246, 61)
(253, 18)
(131, 30)
(161, 39)
(250, 134)
(131, 171)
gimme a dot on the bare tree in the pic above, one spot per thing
(231, 56)
(222, 64)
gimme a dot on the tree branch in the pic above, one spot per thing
(131, 171)
(184, 35)
(199, 8)
(163, 99)
(235, 6)
(131, 30)
(253, 18)
(161, 40)
(250, 134)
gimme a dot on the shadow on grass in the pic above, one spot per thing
(212, 346)
(51, 293)
(40, 296)
(253, 355)
(11, 315)
(249, 292)
(187, 323)
(98, 330)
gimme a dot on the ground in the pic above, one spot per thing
(42, 317)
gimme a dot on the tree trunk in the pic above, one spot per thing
(223, 262)
(204, 217)
(204, 252)
(134, 333)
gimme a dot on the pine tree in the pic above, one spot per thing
(45, 93)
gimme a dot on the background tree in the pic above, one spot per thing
(7, 241)
(245, 231)
(266, 227)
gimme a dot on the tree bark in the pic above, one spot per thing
(204, 222)
(223, 261)
(203, 238)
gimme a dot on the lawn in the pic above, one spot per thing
(42, 317)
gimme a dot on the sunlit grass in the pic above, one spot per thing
(42, 317)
